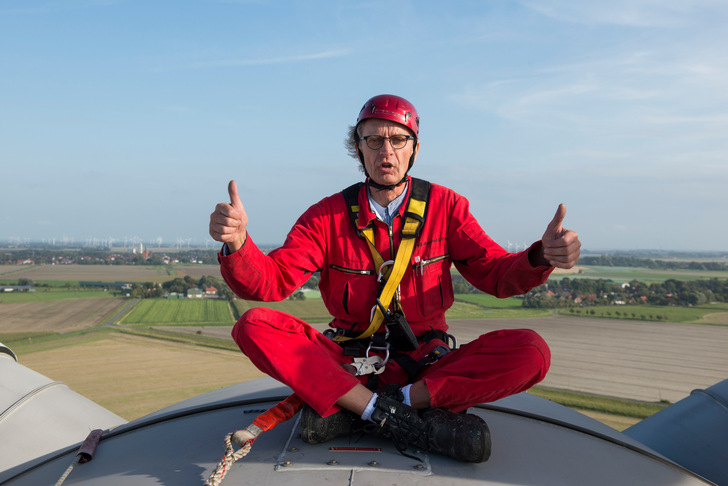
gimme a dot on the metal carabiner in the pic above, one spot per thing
(381, 268)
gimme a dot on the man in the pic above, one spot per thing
(385, 249)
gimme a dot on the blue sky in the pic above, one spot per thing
(125, 119)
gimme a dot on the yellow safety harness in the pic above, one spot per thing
(414, 219)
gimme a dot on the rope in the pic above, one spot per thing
(85, 453)
(66, 473)
(227, 460)
(244, 438)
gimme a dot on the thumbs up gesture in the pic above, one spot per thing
(561, 246)
(229, 220)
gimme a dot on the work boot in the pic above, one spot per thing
(464, 437)
(316, 429)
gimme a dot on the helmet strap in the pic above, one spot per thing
(382, 187)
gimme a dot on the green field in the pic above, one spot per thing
(310, 310)
(44, 295)
(208, 312)
(649, 312)
(490, 301)
(608, 405)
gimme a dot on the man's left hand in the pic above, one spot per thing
(561, 246)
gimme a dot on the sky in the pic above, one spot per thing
(124, 120)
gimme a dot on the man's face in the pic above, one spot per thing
(386, 165)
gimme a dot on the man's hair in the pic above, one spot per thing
(350, 142)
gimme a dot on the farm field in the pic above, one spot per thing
(628, 358)
(627, 274)
(44, 294)
(143, 273)
(105, 273)
(180, 312)
(646, 361)
(56, 315)
(133, 376)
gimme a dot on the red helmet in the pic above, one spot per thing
(391, 107)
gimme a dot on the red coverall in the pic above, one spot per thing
(495, 365)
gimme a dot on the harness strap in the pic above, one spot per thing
(414, 219)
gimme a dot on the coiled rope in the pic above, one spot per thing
(244, 438)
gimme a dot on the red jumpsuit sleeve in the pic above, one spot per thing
(484, 263)
(253, 275)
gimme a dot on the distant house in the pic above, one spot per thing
(194, 293)
(25, 262)
(211, 291)
(16, 288)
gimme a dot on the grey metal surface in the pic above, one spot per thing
(534, 442)
(40, 416)
(692, 432)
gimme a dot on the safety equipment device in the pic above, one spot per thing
(391, 107)
(414, 218)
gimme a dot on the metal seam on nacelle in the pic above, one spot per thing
(719, 400)
(28, 396)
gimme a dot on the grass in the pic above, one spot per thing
(606, 405)
(490, 301)
(192, 339)
(463, 309)
(14, 337)
(180, 312)
(310, 310)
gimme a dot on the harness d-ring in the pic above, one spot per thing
(381, 348)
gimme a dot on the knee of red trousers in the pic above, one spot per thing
(528, 346)
(496, 365)
(540, 356)
(242, 329)
(260, 326)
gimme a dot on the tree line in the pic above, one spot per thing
(149, 290)
(629, 261)
(90, 256)
(580, 292)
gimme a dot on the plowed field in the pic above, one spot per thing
(56, 315)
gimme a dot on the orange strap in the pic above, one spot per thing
(285, 410)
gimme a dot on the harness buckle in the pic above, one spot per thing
(371, 365)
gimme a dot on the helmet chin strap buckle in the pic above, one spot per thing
(383, 187)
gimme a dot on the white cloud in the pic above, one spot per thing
(634, 13)
(225, 63)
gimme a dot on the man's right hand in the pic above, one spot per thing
(228, 221)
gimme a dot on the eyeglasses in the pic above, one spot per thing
(375, 142)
